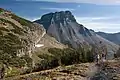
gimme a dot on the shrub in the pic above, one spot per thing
(28, 60)
(69, 56)
(66, 56)
(17, 62)
(21, 20)
(16, 29)
(48, 61)
(1, 10)
(12, 71)
(4, 29)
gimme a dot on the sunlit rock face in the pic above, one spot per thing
(63, 26)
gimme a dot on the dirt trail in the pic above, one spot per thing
(92, 71)
(82, 71)
(101, 73)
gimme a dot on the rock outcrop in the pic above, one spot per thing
(17, 34)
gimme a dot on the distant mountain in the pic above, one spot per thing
(111, 37)
(63, 26)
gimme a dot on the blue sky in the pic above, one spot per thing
(99, 15)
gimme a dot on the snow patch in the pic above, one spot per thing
(39, 45)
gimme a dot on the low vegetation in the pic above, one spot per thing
(16, 29)
(68, 56)
(10, 44)
(12, 72)
(1, 10)
(21, 20)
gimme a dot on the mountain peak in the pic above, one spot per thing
(64, 12)
(57, 17)
(64, 27)
(63, 16)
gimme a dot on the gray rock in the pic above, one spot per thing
(63, 26)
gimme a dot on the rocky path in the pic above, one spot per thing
(83, 71)
(109, 70)
(93, 68)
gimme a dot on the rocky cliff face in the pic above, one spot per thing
(63, 26)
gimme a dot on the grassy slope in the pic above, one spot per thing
(12, 40)
(13, 31)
